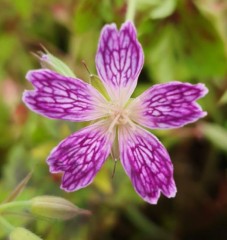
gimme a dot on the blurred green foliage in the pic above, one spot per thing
(183, 40)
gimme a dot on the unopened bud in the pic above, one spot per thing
(55, 207)
(20, 233)
(47, 60)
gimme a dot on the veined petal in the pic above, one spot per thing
(147, 163)
(168, 105)
(119, 60)
(59, 97)
(81, 155)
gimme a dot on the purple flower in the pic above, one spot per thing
(118, 120)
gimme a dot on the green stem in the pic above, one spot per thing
(7, 226)
(131, 10)
(15, 204)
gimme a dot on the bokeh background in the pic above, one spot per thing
(183, 40)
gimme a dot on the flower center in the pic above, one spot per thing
(118, 116)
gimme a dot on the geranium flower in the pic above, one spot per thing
(119, 122)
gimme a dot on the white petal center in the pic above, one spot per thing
(118, 115)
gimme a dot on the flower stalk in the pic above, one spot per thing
(131, 10)
(6, 225)
(15, 204)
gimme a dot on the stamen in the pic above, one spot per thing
(113, 123)
(131, 123)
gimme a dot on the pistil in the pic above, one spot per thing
(114, 122)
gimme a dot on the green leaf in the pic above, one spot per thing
(161, 56)
(157, 9)
(216, 134)
(223, 99)
(216, 14)
(204, 53)
(164, 9)
(186, 47)
(85, 17)
(145, 225)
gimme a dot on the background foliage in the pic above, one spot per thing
(183, 40)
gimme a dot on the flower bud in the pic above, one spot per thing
(49, 61)
(20, 233)
(55, 207)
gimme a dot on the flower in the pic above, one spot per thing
(118, 120)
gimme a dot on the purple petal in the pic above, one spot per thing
(81, 155)
(168, 105)
(59, 97)
(119, 60)
(147, 163)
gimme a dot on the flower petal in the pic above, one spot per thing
(168, 105)
(81, 155)
(147, 163)
(59, 97)
(119, 60)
